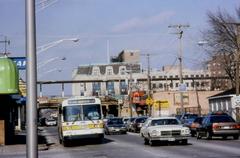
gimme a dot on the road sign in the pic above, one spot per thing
(20, 62)
(149, 101)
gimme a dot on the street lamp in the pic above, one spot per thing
(53, 44)
(41, 64)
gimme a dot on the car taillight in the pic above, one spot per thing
(238, 126)
(194, 125)
(216, 126)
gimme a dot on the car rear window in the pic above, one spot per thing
(222, 118)
(165, 122)
(115, 121)
(141, 120)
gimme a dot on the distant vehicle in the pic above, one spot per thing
(129, 123)
(195, 124)
(164, 129)
(80, 117)
(137, 123)
(188, 117)
(115, 125)
(108, 117)
(50, 122)
(218, 124)
(178, 116)
(125, 119)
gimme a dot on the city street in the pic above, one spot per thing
(131, 145)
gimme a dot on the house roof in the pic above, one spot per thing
(227, 93)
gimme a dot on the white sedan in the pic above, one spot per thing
(164, 129)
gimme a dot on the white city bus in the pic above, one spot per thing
(80, 117)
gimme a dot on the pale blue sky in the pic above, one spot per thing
(127, 24)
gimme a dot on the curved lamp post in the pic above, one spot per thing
(42, 48)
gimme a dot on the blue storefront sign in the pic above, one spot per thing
(20, 62)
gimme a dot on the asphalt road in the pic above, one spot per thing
(132, 146)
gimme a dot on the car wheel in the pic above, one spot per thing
(184, 141)
(198, 135)
(236, 137)
(146, 141)
(208, 135)
(151, 142)
(65, 143)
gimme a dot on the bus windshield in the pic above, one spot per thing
(81, 113)
(72, 113)
(92, 112)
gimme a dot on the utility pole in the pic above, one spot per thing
(237, 68)
(180, 34)
(5, 44)
(130, 92)
(31, 109)
(149, 88)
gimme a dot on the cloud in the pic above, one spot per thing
(142, 22)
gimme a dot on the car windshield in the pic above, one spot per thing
(222, 118)
(165, 122)
(115, 121)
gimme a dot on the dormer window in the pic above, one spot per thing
(122, 70)
(109, 71)
(95, 71)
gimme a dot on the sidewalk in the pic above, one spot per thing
(19, 143)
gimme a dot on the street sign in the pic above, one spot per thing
(162, 103)
(20, 62)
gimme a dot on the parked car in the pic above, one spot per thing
(115, 125)
(125, 119)
(129, 123)
(187, 117)
(137, 123)
(50, 122)
(218, 124)
(195, 124)
(164, 129)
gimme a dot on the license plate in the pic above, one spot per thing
(226, 127)
(171, 139)
(117, 130)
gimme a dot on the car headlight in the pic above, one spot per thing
(155, 133)
(185, 131)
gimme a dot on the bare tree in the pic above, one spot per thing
(222, 39)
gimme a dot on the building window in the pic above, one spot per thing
(154, 85)
(110, 88)
(176, 84)
(96, 88)
(160, 85)
(123, 88)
